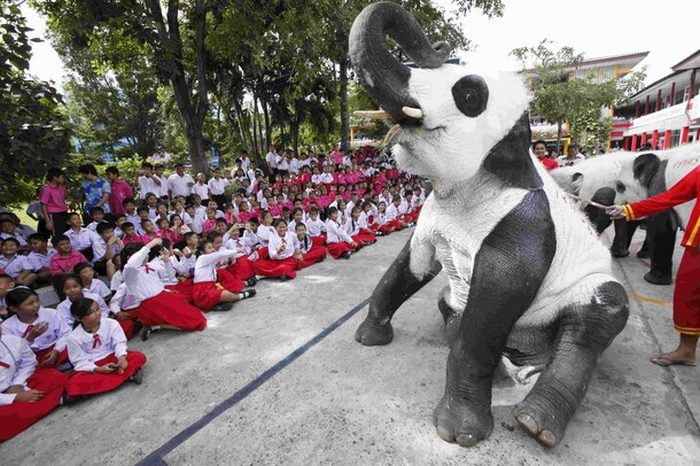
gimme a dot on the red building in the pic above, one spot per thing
(665, 113)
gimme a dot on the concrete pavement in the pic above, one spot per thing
(340, 403)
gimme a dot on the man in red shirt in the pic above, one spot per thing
(686, 295)
(539, 148)
(120, 191)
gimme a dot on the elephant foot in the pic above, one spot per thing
(657, 279)
(460, 422)
(619, 253)
(370, 333)
(541, 419)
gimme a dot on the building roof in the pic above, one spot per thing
(629, 59)
(688, 63)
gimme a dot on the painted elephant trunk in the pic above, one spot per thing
(384, 77)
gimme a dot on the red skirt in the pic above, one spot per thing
(89, 383)
(207, 294)
(365, 237)
(183, 288)
(127, 326)
(337, 249)
(167, 308)
(686, 295)
(276, 268)
(242, 269)
(390, 226)
(44, 354)
(228, 281)
(16, 417)
(314, 255)
(319, 240)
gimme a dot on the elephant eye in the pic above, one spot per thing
(620, 187)
(471, 94)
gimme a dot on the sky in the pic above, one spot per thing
(668, 29)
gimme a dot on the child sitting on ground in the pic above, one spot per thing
(130, 235)
(90, 283)
(26, 393)
(73, 290)
(208, 293)
(338, 243)
(105, 248)
(39, 259)
(43, 328)
(98, 216)
(311, 253)
(97, 349)
(16, 266)
(63, 262)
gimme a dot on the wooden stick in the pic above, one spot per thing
(594, 204)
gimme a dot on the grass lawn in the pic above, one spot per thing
(26, 219)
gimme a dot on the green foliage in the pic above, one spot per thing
(581, 102)
(33, 130)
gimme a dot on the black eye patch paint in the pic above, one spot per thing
(471, 94)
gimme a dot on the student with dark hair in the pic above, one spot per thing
(15, 265)
(39, 258)
(43, 328)
(156, 307)
(53, 202)
(96, 190)
(539, 148)
(338, 242)
(97, 349)
(27, 393)
(63, 261)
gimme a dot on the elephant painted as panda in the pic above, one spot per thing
(598, 179)
(527, 276)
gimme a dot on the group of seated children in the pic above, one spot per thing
(164, 268)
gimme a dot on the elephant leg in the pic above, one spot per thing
(584, 333)
(498, 296)
(661, 234)
(623, 238)
(396, 286)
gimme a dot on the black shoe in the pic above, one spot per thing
(137, 378)
(248, 293)
(285, 278)
(379, 233)
(251, 281)
(67, 400)
(642, 254)
(345, 255)
(145, 332)
(658, 280)
(222, 307)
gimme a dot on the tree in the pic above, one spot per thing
(175, 39)
(33, 130)
(113, 109)
(559, 97)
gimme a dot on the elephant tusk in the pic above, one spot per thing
(380, 114)
(413, 112)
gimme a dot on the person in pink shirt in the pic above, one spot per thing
(120, 191)
(63, 261)
(53, 202)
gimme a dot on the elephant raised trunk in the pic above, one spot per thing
(384, 77)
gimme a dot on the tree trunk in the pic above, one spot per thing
(268, 129)
(344, 113)
(193, 127)
(559, 131)
(260, 133)
(255, 134)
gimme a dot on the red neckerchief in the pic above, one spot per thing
(29, 329)
(96, 341)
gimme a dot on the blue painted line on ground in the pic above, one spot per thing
(156, 457)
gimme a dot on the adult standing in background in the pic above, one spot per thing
(539, 148)
(180, 182)
(271, 159)
(217, 187)
(120, 191)
(163, 189)
(147, 182)
(686, 294)
(573, 156)
(96, 191)
(53, 202)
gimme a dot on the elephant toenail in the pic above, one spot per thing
(445, 434)
(467, 440)
(528, 423)
(548, 438)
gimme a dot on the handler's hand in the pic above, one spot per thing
(615, 212)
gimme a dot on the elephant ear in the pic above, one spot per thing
(645, 168)
(576, 182)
